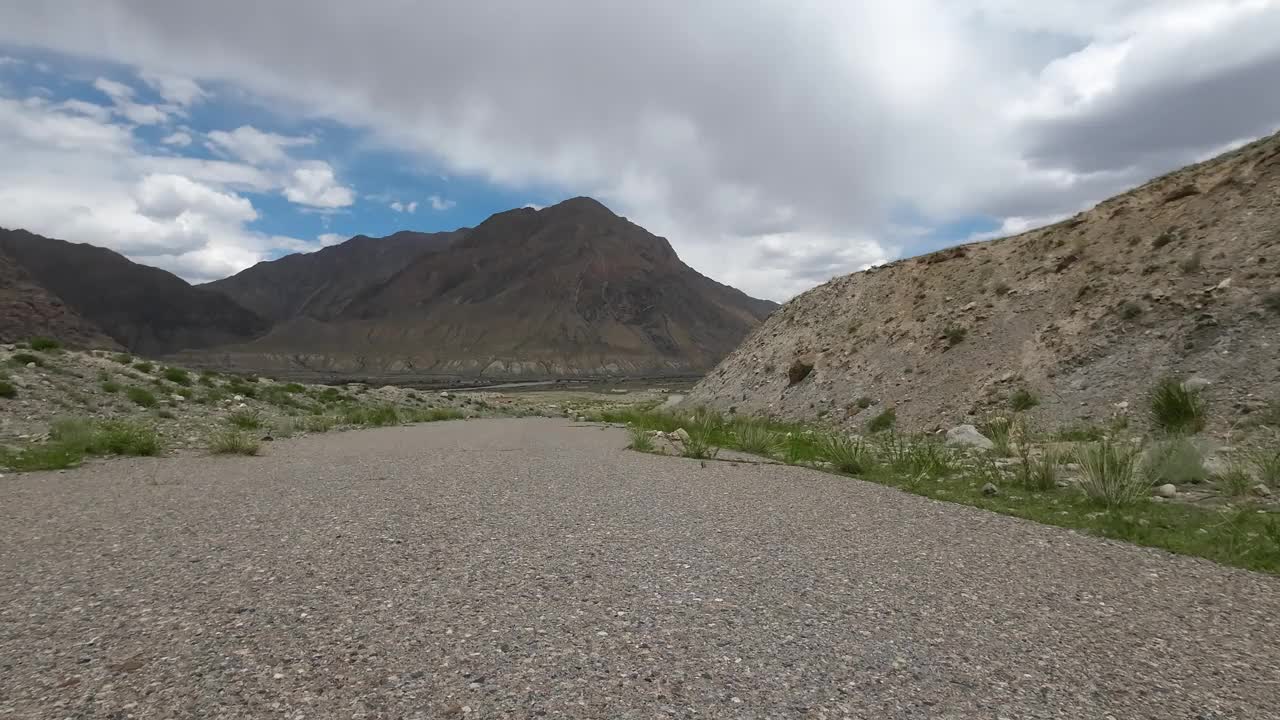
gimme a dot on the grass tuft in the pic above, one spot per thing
(884, 421)
(245, 420)
(142, 397)
(234, 442)
(44, 344)
(757, 438)
(641, 440)
(1112, 474)
(8, 390)
(1175, 409)
(26, 358)
(1023, 400)
(177, 375)
(846, 454)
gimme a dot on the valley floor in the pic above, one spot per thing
(519, 568)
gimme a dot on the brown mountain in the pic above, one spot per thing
(568, 290)
(321, 284)
(27, 309)
(1179, 277)
(144, 309)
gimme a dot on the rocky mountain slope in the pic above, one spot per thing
(321, 284)
(1179, 277)
(27, 309)
(568, 290)
(143, 308)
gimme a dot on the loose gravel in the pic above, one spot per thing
(535, 568)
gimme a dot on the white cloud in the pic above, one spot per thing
(7, 61)
(327, 239)
(315, 184)
(78, 176)
(174, 88)
(122, 97)
(410, 207)
(439, 204)
(819, 135)
(256, 147)
(177, 139)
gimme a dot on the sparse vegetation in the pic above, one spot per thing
(44, 344)
(110, 386)
(234, 442)
(23, 359)
(955, 334)
(1111, 474)
(177, 375)
(72, 439)
(123, 358)
(865, 402)
(1174, 408)
(755, 437)
(245, 420)
(316, 423)
(7, 390)
(1266, 463)
(641, 440)
(142, 397)
(1131, 309)
(848, 455)
(999, 430)
(144, 366)
(1022, 400)
(1176, 460)
(1235, 480)
(434, 414)
(884, 421)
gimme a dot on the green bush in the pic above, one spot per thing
(123, 358)
(245, 420)
(886, 420)
(7, 390)
(233, 442)
(316, 423)
(145, 367)
(110, 386)
(26, 358)
(44, 344)
(142, 397)
(955, 334)
(1175, 409)
(1022, 400)
(1111, 474)
(294, 387)
(124, 438)
(46, 456)
(177, 375)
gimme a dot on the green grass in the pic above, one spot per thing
(1175, 409)
(122, 358)
(316, 423)
(294, 387)
(1175, 460)
(371, 416)
(25, 358)
(110, 386)
(177, 375)
(999, 430)
(1266, 464)
(144, 366)
(1112, 474)
(846, 454)
(142, 397)
(885, 420)
(1023, 400)
(8, 390)
(234, 442)
(955, 334)
(245, 420)
(44, 344)
(72, 439)
(1120, 509)
(641, 440)
(753, 437)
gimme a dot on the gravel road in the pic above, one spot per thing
(535, 568)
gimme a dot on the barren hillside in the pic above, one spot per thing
(1179, 277)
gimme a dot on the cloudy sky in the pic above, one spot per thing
(776, 144)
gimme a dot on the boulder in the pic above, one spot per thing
(990, 489)
(968, 436)
(680, 434)
(1167, 490)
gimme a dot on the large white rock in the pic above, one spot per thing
(968, 436)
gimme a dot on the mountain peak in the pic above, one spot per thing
(580, 205)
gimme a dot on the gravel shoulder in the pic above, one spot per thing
(535, 568)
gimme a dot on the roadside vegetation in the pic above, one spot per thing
(1105, 481)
